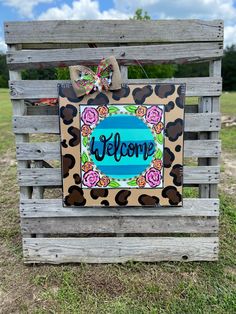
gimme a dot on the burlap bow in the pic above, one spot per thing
(107, 76)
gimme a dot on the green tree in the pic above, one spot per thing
(4, 74)
(229, 68)
(149, 71)
(139, 15)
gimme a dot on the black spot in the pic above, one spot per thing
(67, 90)
(77, 178)
(68, 162)
(122, 197)
(75, 132)
(140, 94)
(67, 113)
(75, 196)
(180, 100)
(100, 99)
(121, 93)
(105, 203)
(63, 144)
(174, 129)
(164, 90)
(177, 174)
(178, 148)
(169, 106)
(172, 194)
(96, 193)
(169, 157)
(148, 200)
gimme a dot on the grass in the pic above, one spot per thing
(131, 288)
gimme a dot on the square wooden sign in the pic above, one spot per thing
(123, 148)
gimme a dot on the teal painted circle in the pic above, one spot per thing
(122, 146)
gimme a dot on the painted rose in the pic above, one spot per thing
(157, 163)
(158, 127)
(90, 116)
(104, 181)
(153, 115)
(87, 166)
(85, 130)
(102, 111)
(141, 111)
(153, 177)
(141, 181)
(91, 178)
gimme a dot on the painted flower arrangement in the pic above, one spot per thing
(152, 116)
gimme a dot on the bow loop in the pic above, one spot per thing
(107, 76)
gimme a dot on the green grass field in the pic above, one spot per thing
(132, 288)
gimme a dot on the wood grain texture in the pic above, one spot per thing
(154, 224)
(52, 176)
(51, 150)
(195, 122)
(196, 86)
(110, 31)
(192, 207)
(119, 250)
(125, 55)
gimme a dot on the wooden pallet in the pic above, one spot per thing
(53, 234)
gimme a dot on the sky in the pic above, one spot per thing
(25, 10)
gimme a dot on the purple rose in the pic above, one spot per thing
(153, 115)
(90, 116)
(91, 178)
(153, 177)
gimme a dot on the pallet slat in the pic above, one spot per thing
(192, 207)
(125, 55)
(194, 122)
(51, 150)
(196, 86)
(52, 176)
(78, 225)
(119, 250)
(125, 31)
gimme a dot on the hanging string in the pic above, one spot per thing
(142, 68)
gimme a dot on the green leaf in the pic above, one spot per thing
(132, 183)
(84, 158)
(85, 140)
(131, 108)
(113, 109)
(114, 184)
(158, 154)
(159, 138)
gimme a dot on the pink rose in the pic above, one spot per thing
(153, 115)
(90, 116)
(153, 177)
(91, 178)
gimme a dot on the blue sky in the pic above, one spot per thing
(21, 10)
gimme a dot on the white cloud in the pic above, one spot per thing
(24, 7)
(230, 35)
(3, 46)
(81, 10)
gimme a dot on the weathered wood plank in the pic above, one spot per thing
(192, 207)
(119, 250)
(51, 150)
(125, 55)
(52, 176)
(125, 31)
(195, 86)
(77, 225)
(195, 122)
(53, 110)
(215, 70)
